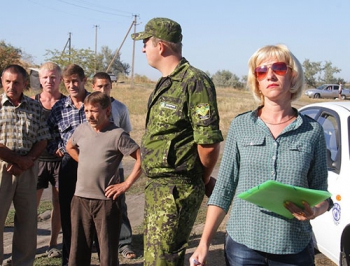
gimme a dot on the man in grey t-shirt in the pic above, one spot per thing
(99, 147)
(120, 115)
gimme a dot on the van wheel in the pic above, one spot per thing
(344, 259)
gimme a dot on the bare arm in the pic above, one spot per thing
(215, 215)
(113, 191)
(208, 154)
(72, 150)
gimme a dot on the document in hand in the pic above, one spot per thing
(272, 195)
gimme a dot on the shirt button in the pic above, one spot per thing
(273, 157)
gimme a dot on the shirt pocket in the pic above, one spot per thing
(65, 127)
(30, 126)
(253, 153)
(252, 141)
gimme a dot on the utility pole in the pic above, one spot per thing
(96, 26)
(70, 46)
(133, 55)
(117, 51)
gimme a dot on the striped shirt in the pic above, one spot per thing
(23, 125)
(252, 156)
(63, 120)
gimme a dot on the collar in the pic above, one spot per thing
(5, 99)
(180, 70)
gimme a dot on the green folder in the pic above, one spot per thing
(272, 195)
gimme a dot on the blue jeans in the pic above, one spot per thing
(238, 255)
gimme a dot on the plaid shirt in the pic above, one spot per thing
(296, 157)
(23, 125)
(63, 120)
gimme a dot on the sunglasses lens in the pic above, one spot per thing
(261, 72)
(279, 68)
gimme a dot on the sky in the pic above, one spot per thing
(217, 35)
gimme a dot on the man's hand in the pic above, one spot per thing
(114, 191)
(14, 169)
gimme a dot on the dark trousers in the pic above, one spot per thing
(66, 187)
(90, 216)
(125, 237)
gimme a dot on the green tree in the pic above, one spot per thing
(117, 67)
(226, 79)
(311, 70)
(316, 73)
(82, 57)
(328, 73)
(9, 55)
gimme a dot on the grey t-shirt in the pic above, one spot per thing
(100, 154)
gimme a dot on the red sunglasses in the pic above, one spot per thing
(279, 68)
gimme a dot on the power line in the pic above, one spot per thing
(104, 12)
(104, 7)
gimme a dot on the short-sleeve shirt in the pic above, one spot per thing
(100, 154)
(23, 125)
(182, 113)
(252, 156)
(120, 115)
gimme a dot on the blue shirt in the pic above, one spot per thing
(63, 120)
(252, 156)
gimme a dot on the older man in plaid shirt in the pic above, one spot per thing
(23, 137)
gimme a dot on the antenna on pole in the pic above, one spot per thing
(69, 46)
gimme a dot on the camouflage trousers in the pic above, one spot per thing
(170, 211)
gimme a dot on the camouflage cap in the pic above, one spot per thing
(161, 28)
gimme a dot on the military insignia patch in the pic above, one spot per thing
(203, 111)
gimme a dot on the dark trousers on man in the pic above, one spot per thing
(90, 217)
(66, 188)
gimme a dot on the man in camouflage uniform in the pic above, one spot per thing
(180, 146)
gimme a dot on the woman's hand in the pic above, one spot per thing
(198, 257)
(305, 214)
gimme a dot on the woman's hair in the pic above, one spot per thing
(282, 54)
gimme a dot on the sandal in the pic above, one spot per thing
(128, 253)
(7, 262)
(53, 252)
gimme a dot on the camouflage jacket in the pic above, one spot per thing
(182, 112)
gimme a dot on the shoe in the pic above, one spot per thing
(128, 253)
(53, 252)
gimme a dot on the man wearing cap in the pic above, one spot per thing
(180, 146)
